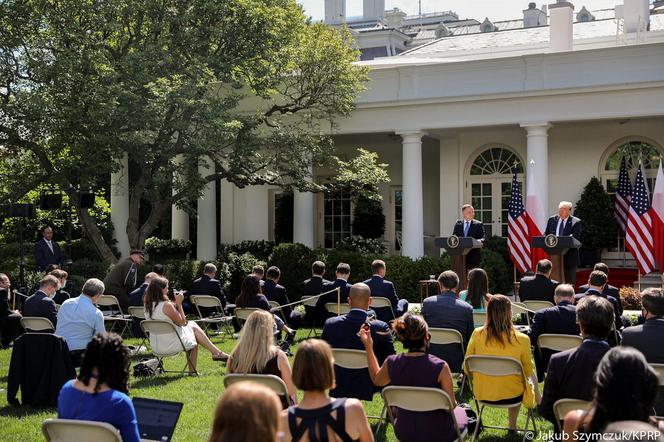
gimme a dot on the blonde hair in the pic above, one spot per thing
(256, 346)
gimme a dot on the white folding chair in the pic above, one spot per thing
(242, 313)
(497, 366)
(536, 305)
(420, 399)
(114, 314)
(479, 318)
(271, 381)
(219, 317)
(311, 302)
(155, 327)
(558, 342)
(37, 324)
(354, 360)
(563, 406)
(331, 307)
(68, 430)
(444, 336)
(519, 308)
(138, 313)
(382, 302)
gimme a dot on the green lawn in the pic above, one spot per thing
(199, 395)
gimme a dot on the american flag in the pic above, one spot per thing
(639, 237)
(623, 195)
(518, 238)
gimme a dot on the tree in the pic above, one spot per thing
(595, 208)
(250, 84)
(368, 218)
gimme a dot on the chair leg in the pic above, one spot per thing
(479, 419)
(525, 427)
(383, 418)
(189, 364)
(463, 384)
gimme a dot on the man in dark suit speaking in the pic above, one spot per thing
(564, 224)
(469, 226)
(47, 251)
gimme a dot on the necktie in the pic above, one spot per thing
(50, 246)
(465, 228)
(561, 227)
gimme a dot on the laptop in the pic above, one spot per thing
(156, 418)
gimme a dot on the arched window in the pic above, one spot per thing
(489, 186)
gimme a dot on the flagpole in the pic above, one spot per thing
(516, 292)
(639, 281)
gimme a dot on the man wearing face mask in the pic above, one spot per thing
(564, 224)
(41, 303)
(61, 295)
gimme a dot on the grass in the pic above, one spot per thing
(199, 395)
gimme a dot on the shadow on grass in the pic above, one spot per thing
(158, 380)
(25, 410)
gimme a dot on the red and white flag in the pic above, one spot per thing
(639, 238)
(657, 215)
(537, 217)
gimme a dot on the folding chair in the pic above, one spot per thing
(497, 366)
(659, 368)
(537, 305)
(382, 302)
(138, 313)
(274, 383)
(420, 399)
(219, 317)
(311, 303)
(37, 324)
(354, 360)
(331, 307)
(243, 313)
(519, 308)
(563, 406)
(479, 318)
(114, 314)
(67, 430)
(558, 342)
(444, 336)
(154, 327)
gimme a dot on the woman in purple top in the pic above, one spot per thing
(416, 368)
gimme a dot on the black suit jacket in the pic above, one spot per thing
(560, 319)
(314, 286)
(332, 297)
(210, 287)
(570, 375)
(609, 290)
(537, 288)
(647, 338)
(277, 292)
(5, 309)
(136, 297)
(382, 287)
(44, 256)
(475, 230)
(40, 305)
(572, 228)
(611, 299)
(341, 332)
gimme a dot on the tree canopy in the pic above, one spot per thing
(252, 84)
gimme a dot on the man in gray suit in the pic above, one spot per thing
(648, 337)
(446, 311)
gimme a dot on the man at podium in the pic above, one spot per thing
(564, 224)
(469, 226)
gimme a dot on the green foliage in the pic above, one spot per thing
(406, 273)
(260, 249)
(294, 261)
(368, 218)
(362, 174)
(167, 248)
(500, 275)
(595, 208)
(238, 267)
(86, 268)
(363, 245)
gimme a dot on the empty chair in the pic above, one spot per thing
(114, 315)
(217, 317)
(537, 305)
(243, 313)
(137, 315)
(67, 430)
(340, 309)
(519, 308)
(37, 324)
(479, 318)
(310, 303)
(558, 342)
(155, 327)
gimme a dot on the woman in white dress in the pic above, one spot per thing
(158, 306)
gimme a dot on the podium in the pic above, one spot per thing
(458, 247)
(556, 247)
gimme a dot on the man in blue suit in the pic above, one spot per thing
(41, 304)
(381, 287)
(341, 332)
(342, 273)
(274, 291)
(47, 251)
(564, 224)
(468, 226)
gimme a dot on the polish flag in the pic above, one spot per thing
(657, 215)
(536, 216)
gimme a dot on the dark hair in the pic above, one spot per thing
(107, 353)
(343, 268)
(273, 273)
(478, 287)
(448, 280)
(154, 294)
(377, 265)
(248, 291)
(412, 331)
(59, 273)
(597, 278)
(158, 269)
(595, 314)
(653, 301)
(51, 267)
(318, 268)
(602, 268)
(47, 226)
(615, 399)
(313, 366)
(259, 270)
(544, 266)
(498, 324)
(49, 280)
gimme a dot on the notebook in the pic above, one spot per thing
(156, 418)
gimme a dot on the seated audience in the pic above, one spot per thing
(624, 388)
(258, 272)
(649, 336)
(10, 320)
(477, 294)
(382, 287)
(275, 292)
(609, 290)
(246, 412)
(341, 332)
(122, 279)
(100, 392)
(158, 269)
(136, 297)
(446, 311)
(342, 419)
(342, 273)
(415, 368)
(559, 319)
(41, 305)
(314, 287)
(61, 295)
(208, 285)
(596, 284)
(251, 297)
(255, 353)
(539, 287)
(158, 306)
(570, 373)
(498, 337)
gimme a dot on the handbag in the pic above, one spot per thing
(473, 421)
(148, 367)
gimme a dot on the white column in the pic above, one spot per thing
(120, 205)
(303, 217)
(537, 161)
(227, 209)
(179, 218)
(450, 185)
(206, 244)
(413, 207)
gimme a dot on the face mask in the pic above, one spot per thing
(64, 283)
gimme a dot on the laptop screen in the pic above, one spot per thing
(156, 419)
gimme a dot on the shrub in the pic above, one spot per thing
(363, 245)
(294, 261)
(368, 218)
(167, 248)
(87, 268)
(236, 267)
(500, 275)
(595, 208)
(631, 298)
(260, 249)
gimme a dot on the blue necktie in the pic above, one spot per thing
(466, 225)
(561, 227)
